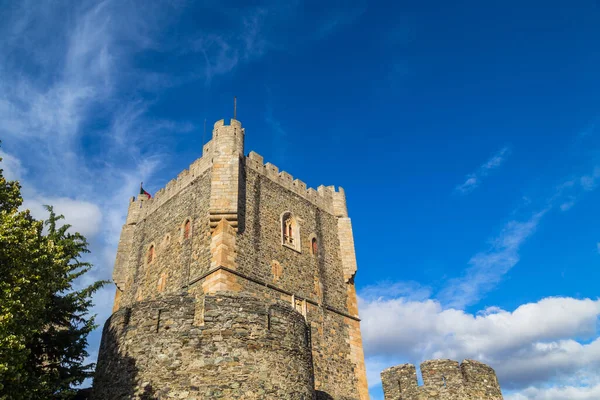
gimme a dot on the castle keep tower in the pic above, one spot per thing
(235, 281)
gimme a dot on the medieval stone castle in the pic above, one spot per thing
(236, 281)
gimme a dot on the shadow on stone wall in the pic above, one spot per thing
(323, 395)
(116, 374)
(153, 350)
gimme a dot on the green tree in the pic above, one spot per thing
(44, 320)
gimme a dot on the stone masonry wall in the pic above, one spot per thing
(242, 348)
(176, 258)
(442, 380)
(318, 278)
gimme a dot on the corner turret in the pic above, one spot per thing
(228, 151)
(228, 139)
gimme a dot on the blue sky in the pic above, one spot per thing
(466, 136)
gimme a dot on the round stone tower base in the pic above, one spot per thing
(215, 347)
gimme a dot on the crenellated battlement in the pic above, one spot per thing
(227, 139)
(140, 208)
(325, 197)
(443, 380)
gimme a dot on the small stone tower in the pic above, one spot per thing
(235, 281)
(442, 380)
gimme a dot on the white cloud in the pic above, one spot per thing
(550, 318)
(558, 393)
(84, 217)
(534, 343)
(409, 290)
(473, 180)
(11, 166)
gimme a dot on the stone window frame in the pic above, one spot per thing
(310, 245)
(294, 241)
(150, 254)
(182, 236)
(166, 240)
(162, 282)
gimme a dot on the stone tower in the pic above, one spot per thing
(235, 281)
(442, 380)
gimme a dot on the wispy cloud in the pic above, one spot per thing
(11, 166)
(70, 135)
(474, 179)
(76, 106)
(488, 267)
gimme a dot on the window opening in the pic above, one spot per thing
(186, 229)
(150, 254)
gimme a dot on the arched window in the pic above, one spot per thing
(150, 256)
(290, 231)
(314, 246)
(187, 228)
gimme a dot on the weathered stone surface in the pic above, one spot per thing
(244, 349)
(442, 380)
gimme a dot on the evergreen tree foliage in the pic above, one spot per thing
(44, 321)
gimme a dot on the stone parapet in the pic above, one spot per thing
(442, 380)
(140, 207)
(324, 197)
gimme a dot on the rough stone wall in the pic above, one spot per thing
(260, 243)
(176, 258)
(320, 279)
(241, 348)
(442, 380)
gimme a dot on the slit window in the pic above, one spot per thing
(187, 228)
(150, 256)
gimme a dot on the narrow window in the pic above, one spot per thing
(290, 231)
(150, 257)
(314, 246)
(186, 229)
